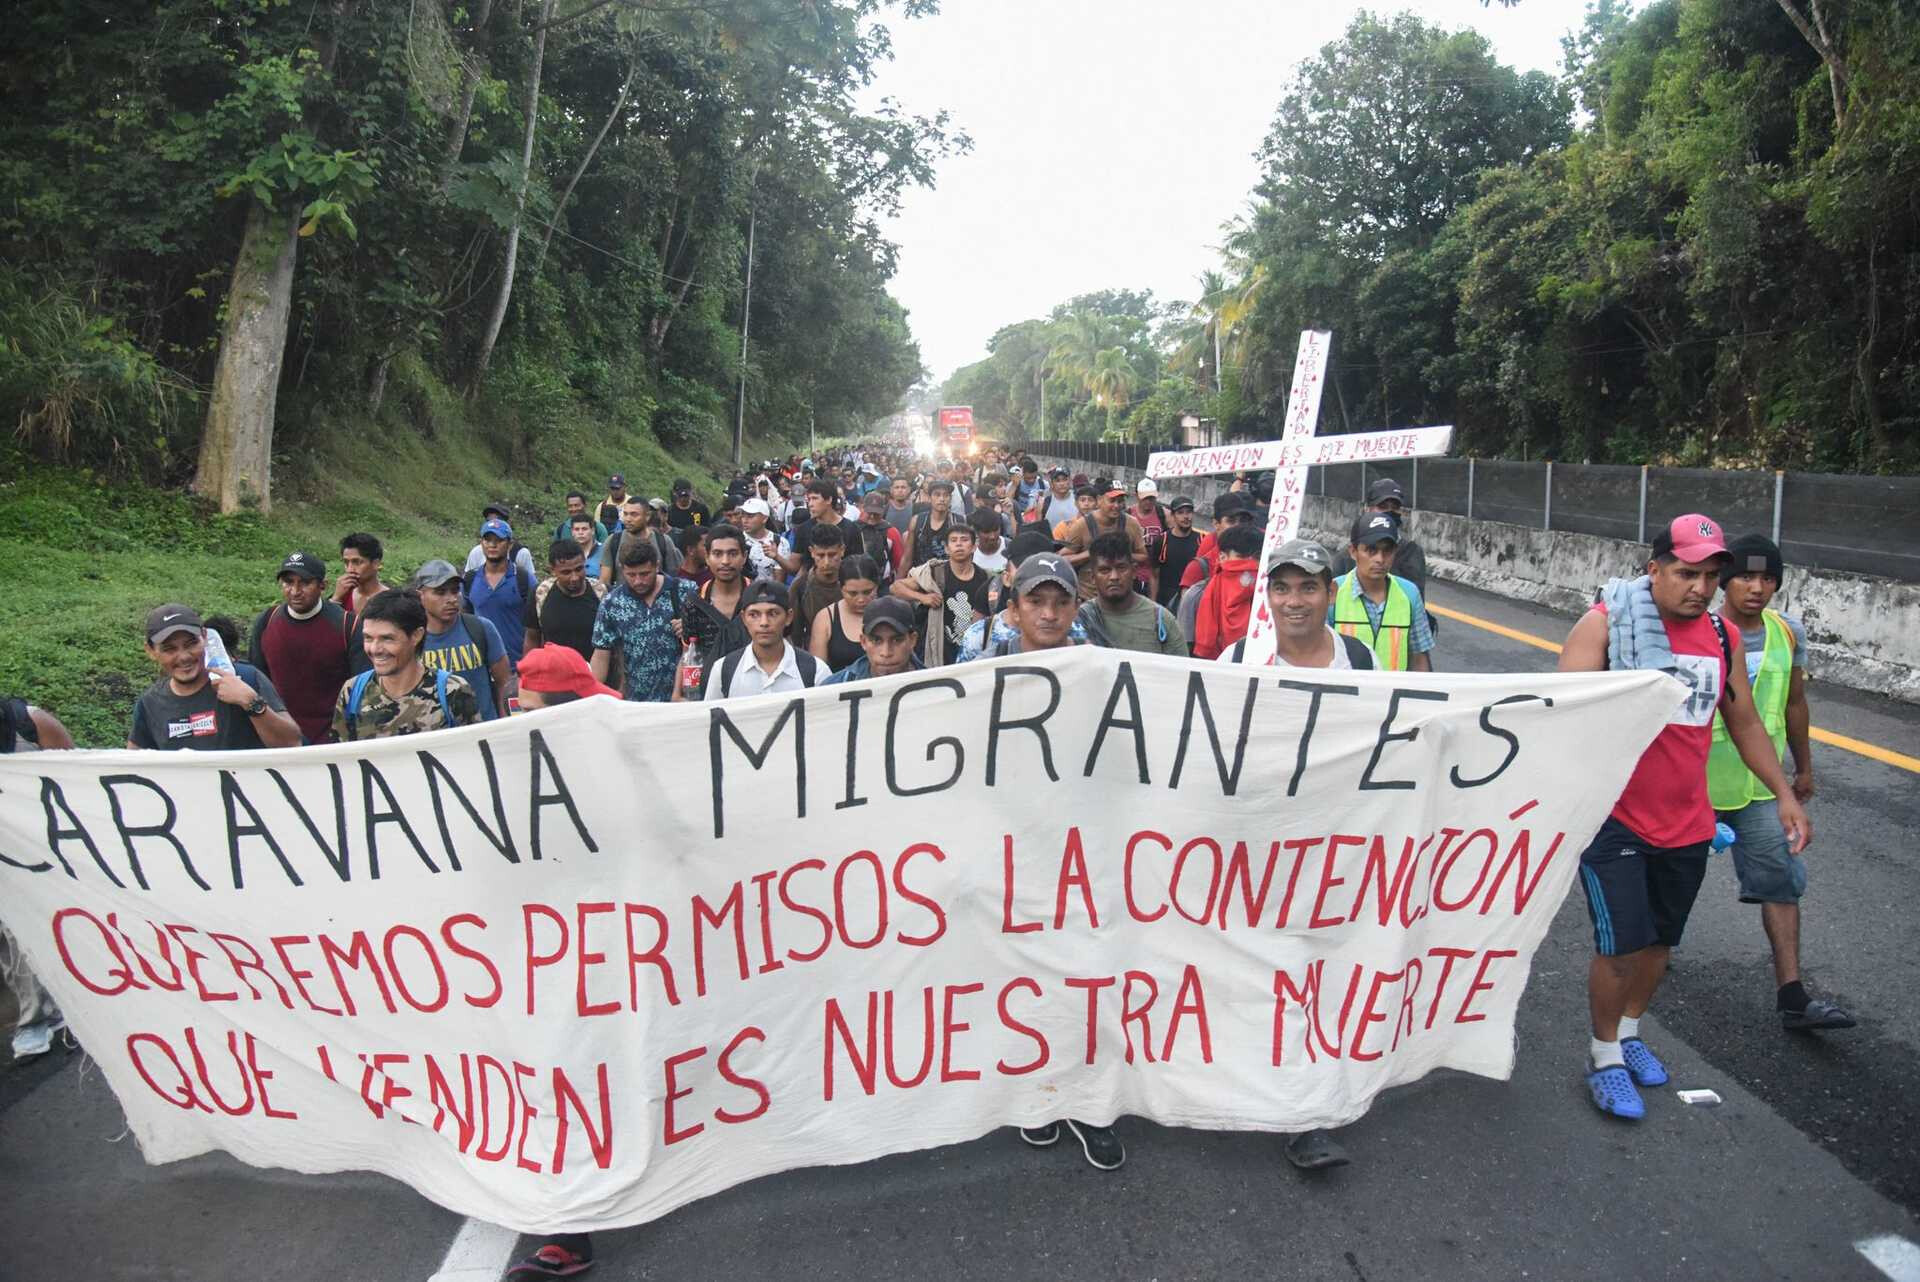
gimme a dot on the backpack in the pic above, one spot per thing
(541, 593)
(808, 665)
(521, 577)
(16, 725)
(357, 693)
(1359, 657)
(884, 555)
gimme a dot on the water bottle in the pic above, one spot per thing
(218, 660)
(1722, 838)
(690, 670)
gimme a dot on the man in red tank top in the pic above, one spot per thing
(1644, 867)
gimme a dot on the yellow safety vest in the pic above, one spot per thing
(1730, 785)
(1392, 644)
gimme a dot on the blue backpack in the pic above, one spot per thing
(357, 691)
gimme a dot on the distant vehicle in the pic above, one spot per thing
(956, 430)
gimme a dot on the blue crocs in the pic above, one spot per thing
(1645, 1066)
(1612, 1091)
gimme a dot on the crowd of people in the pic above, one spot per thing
(869, 562)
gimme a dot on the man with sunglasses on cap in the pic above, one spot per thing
(1768, 872)
(1643, 869)
(1109, 516)
(305, 643)
(193, 708)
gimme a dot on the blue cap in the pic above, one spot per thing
(496, 527)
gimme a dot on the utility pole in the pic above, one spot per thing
(746, 311)
(1218, 385)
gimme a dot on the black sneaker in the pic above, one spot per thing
(551, 1261)
(1041, 1136)
(1315, 1151)
(1101, 1146)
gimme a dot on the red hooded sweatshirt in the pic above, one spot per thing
(1225, 607)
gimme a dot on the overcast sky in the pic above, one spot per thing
(1111, 139)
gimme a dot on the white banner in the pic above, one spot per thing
(576, 969)
(1303, 451)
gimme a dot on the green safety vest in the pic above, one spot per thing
(1392, 645)
(1730, 785)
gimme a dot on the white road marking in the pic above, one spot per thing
(481, 1252)
(1893, 1255)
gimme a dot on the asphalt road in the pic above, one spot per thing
(1815, 1148)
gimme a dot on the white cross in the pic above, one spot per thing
(1289, 458)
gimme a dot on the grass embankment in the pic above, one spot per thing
(85, 558)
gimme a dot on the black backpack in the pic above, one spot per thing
(16, 724)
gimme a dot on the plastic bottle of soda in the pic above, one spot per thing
(690, 670)
(1722, 838)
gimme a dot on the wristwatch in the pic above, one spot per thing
(258, 706)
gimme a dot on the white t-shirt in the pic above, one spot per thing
(991, 562)
(1238, 654)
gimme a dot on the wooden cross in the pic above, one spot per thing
(1289, 458)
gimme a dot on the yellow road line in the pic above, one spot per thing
(1873, 751)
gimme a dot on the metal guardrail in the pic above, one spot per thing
(1863, 524)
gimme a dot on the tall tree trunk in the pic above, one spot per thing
(236, 446)
(472, 66)
(505, 293)
(585, 160)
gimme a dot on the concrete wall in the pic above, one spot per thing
(1864, 632)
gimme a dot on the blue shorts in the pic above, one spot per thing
(1768, 872)
(1638, 895)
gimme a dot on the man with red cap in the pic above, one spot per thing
(555, 674)
(1644, 867)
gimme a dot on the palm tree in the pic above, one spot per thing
(1112, 380)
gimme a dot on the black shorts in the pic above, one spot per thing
(1638, 895)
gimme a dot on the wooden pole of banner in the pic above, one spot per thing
(1289, 458)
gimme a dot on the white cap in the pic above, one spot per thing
(1146, 487)
(758, 506)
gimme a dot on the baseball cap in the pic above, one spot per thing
(559, 669)
(433, 574)
(1030, 540)
(1045, 567)
(495, 509)
(658, 505)
(1230, 502)
(682, 487)
(874, 502)
(764, 592)
(165, 620)
(1752, 554)
(759, 506)
(1146, 486)
(889, 612)
(617, 481)
(1303, 554)
(304, 564)
(1057, 471)
(1386, 488)
(1080, 479)
(1375, 527)
(1179, 501)
(496, 527)
(939, 483)
(1691, 538)
(1112, 490)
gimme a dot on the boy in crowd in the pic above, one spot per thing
(303, 644)
(1385, 611)
(888, 639)
(360, 558)
(499, 590)
(1178, 546)
(641, 617)
(399, 695)
(1118, 612)
(563, 608)
(769, 663)
(953, 592)
(1769, 874)
(190, 707)
(818, 586)
(464, 644)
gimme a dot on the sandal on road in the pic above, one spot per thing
(1612, 1091)
(1817, 1015)
(1645, 1066)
